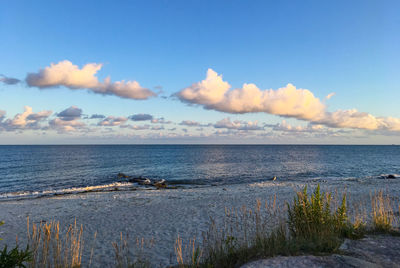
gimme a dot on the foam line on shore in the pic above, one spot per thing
(72, 190)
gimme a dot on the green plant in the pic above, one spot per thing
(312, 223)
(14, 257)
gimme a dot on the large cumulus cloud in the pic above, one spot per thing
(71, 76)
(214, 93)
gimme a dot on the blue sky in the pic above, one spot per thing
(350, 48)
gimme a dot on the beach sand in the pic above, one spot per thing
(161, 215)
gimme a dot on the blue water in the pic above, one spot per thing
(38, 169)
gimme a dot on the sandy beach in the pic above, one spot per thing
(161, 215)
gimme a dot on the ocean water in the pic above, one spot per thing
(34, 171)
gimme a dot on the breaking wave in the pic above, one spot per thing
(116, 186)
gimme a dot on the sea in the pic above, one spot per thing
(43, 170)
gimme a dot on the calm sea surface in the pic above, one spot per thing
(39, 170)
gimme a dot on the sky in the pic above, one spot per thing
(199, 72)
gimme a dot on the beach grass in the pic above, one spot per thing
(52, 247)
(315, 223)
(382, 213)
(130, 256)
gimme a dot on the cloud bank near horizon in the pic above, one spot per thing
(216, 94)
(74, 123)
(64, 73)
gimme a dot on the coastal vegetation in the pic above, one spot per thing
(313, 223)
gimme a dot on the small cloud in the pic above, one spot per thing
(63, 126)
(136, 127)
(141, 117)
(97, 116)
(157, 128)
(113, 121)
(330, 95)
(237, 125)
(68, 120)
(9, 80)
(2, 115)
(71, 113)
(160, 121)
(189, 123)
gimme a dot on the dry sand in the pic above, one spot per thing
(159, 214)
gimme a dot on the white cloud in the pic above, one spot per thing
(69, 75)
(214, 93)
(2, 115)
(136, 127)
(66, 125)
(26, 120)
(113, 121)
(191, 123)
(157, 128)
(160, 121)
(360, 120)
(330, 95)
(286, 127)
(238, 125)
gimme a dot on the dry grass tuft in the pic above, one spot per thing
(188, 255)
(52, 248)
(383, 217)
(136, 257)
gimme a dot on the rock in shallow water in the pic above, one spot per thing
(122, 175)
(390, 176)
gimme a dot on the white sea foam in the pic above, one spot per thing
(72, 190)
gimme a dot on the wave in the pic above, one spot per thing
(73, 190)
